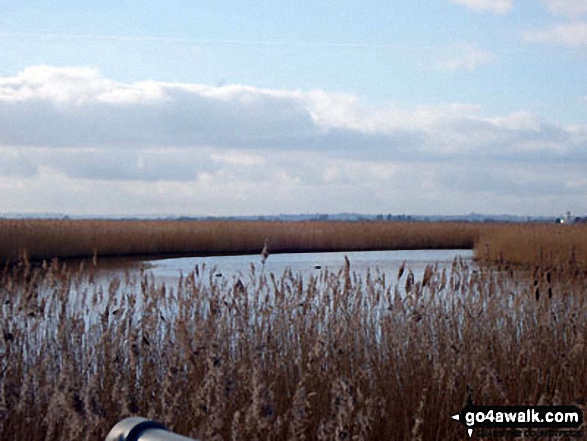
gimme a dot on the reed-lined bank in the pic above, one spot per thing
(555, 247)
(45, 239)
(520, 244)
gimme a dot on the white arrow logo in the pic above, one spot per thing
(457, 417)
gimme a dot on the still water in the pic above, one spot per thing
(307, 264)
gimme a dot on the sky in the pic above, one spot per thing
(216, 108)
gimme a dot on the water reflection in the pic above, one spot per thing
(307, 264)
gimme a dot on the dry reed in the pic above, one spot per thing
(548, 246)
(45, 239)
(341, 355)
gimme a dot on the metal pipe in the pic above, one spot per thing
(142, 429)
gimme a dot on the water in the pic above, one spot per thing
(131, 288)
(308, 264)
(223, 272)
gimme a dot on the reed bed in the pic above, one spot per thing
(339, 356)
(44, 239)
(558, 248)
(547, 245)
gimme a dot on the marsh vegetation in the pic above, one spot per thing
(339, 355)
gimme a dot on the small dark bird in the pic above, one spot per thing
(317, 267)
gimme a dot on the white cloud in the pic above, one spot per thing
(568, 34)
(77, 86)
(74, 141)
(496, 6)
(569, 8)
(336, 185)
(468, 57)
(58, 106)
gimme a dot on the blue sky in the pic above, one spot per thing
(449, 106)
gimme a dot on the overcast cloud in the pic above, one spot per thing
(74, 141)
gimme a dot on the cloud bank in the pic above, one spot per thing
(74, 141)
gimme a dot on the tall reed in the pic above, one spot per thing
(556, 247)
(45, 239)
(341, 355)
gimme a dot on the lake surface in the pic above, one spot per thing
(308, 264)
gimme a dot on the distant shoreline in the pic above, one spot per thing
(45, 239)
